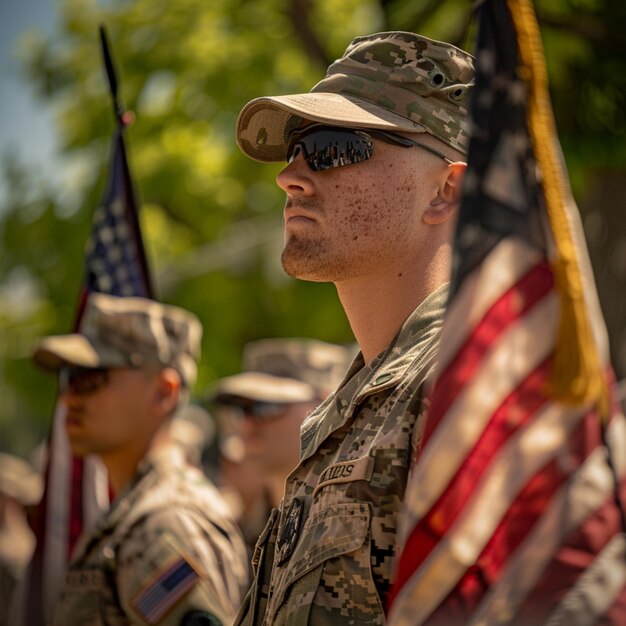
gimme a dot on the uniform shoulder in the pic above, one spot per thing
(165, 582)
(181, 544)
(183, 489)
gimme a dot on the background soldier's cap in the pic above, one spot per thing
(127, 332)
(287, 370)
(19, 480)
(395, 81)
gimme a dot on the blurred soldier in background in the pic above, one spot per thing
(282, 382)
(20, 491)
(167, 552)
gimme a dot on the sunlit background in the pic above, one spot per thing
(211, 217)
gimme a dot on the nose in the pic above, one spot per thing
(248, 427)
(68, 397)
(296, 179)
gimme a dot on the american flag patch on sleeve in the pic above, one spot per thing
(163, 592)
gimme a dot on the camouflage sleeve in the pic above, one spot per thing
(175, 567)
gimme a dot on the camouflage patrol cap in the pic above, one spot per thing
(394, 81)
(287, 370)
(127, 332)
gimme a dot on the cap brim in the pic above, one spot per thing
(263, 388)
(262, 123)
(61, 350)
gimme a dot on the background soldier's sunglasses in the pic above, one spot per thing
(325, 147)
(82, 380)
(257, 411)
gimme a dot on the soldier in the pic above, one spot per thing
(379, 224)
(282, 382)
(167, 552)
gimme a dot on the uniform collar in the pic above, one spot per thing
(158, 462)
(384, 372)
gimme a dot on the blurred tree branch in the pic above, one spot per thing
(299, 12)
(588, 28)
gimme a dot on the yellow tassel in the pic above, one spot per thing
(577, 373)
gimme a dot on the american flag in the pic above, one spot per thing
(76, 490)
(115, 261)
(167, 587)
(513, 507)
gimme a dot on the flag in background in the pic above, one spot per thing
(76, 490)
(513, 506)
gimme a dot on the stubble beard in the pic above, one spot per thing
(312, 257)
(304, 258)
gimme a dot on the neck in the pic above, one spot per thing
(122, 467)
(122, 464)
(377, 305)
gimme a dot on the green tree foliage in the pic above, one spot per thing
(211, 217)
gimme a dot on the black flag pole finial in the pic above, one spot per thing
(123, 117)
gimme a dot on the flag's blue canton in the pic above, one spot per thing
(113, 253)
(155, 600)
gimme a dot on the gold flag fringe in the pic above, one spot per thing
(577, 374)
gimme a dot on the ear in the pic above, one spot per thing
(445, 204)
(167, 390)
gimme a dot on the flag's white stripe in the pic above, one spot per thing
(616, 440)
(517, 461)
(584, 492)
(517, 352)
(504, 266)
(95, 492)
(596, 590)
(57, 512)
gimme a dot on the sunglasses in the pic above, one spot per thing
(257, 411)
(82, 380)
(326, 147)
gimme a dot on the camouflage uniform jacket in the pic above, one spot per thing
(166, 548)
(327, 555)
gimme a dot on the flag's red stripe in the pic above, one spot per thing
(616, 613)
(463, 599)
(519, 406)
(576, 554)
(515, 526)
(512, 305)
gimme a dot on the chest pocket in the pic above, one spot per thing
(81, 598)
(335, 533)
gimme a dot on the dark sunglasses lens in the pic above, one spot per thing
(257, 411)
(264, 411)
(82, 380)
(324, 149)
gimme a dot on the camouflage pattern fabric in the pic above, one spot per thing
(127, 332)
(391, 81)
(317, 363)
(328, 555)
(168, 547)
(287, 371)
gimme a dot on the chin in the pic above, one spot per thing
(305, 267)
(79, 448)
(79, 451)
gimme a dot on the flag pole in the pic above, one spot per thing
(123, 119)
(118, 109)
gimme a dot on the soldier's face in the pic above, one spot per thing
(360, 219)
(275, 444)
(112, 417)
